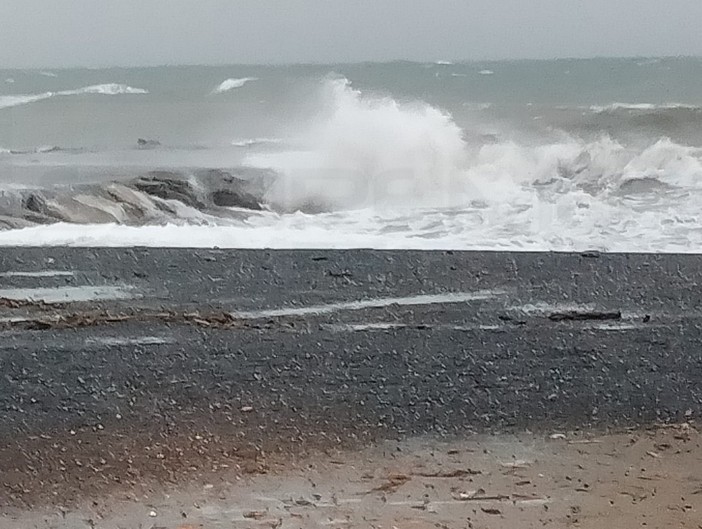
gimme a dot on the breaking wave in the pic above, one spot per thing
(231, 84)
(365, 151)
(373, 151)
(111, 89)
(252, 142)
(373, 171)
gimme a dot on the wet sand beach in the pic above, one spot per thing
(140, 380)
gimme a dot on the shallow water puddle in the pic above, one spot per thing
(67, 294)
(382, 326)
(41, 273)
(375, 303)
(128, 340)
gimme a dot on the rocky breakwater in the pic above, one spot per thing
(157, 197)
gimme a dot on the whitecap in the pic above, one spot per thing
(642, 107)
(250, 142)
(231, 84)
(110, 89)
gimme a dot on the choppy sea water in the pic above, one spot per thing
(527, 155)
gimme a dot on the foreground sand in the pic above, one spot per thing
(643, 478)
(156, 388)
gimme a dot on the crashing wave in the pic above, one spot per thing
(368, 150)
(388, 173)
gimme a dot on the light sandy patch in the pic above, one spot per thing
(647, 478)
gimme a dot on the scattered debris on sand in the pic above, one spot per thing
(603, 480)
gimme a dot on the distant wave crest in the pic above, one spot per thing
(231, 84)
(641, 107)
(110, 89)
(251, 142)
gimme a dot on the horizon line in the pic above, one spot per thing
(438, 62)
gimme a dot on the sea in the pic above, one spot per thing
(558, 155)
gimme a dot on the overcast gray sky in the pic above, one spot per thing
(53, 33)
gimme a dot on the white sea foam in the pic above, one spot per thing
(250, 142)
(110, 89)
(486, 72)
(398, 174)
(102, 89)
(116, 341)
(373, 303)
(231, 84)
(567, 225)
(17, 100)
(641, 107)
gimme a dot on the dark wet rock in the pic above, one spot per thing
(151, 198)
(647, 184)
(12, 223)
(585, 315)
(231, 199)
(592, 254)
(134, 204)
(43, 209)
(230, 190)
(36, 204)
(168, 186)
(211, 188)
(147, 144)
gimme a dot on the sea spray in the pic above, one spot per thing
(370, 151)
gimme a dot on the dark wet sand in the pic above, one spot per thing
(245, 358)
